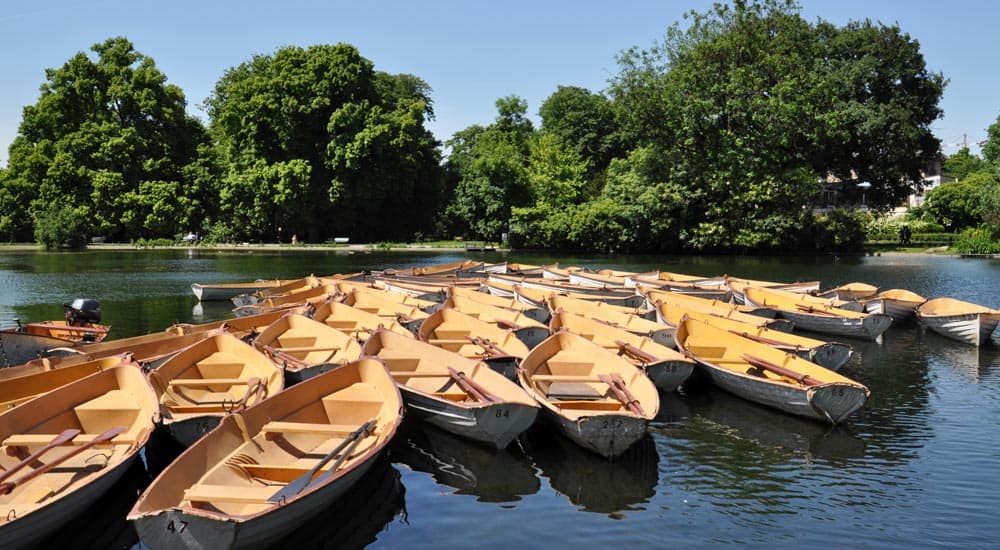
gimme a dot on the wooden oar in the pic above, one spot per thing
(8, 486)
(65, 436)
(629, 349)
(472, 387)
(768, 341)
(298, 484)
(489, 347)
(803, 379)
(617, 379)
(622, 394)
(811, 309)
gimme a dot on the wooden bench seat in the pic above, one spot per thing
(203, 382)
(38, 440)
(247, 494)
(330, 430)
(593, 405)
(565, 378)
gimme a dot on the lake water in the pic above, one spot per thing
(918, 466)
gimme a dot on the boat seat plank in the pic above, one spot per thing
(595, 405)
(563, 365)
(301, 349)
(230, 493)
(565, 378)
(420, 374)
(38, 440)
(202, 382)
(275, 427)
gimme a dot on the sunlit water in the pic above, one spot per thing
(918, 466)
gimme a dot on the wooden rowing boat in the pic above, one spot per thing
(667, 368)
(537, 313)
(79, 332)
(287, 301)
(613, 295)
(632, 320)
(959, 320)
(407, 311)
(204, 382)
(821, 319)
(459, 395)
(64, 450)
(356, 322)
(290, 287)
(771, 377)
(304, 347)
(800, 287)
(850, 292)
(272, 467)
(17, 348)
(796, 300)
(527, 330)
(591, 395)
(710, 288)
(474, 338)
(23, 386)
(226, 291)
(832, 355)
(898, 303)
(714, 307)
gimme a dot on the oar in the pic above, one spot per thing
(811, 309)
(629, 349)
(622, 395)
(769, 341)
(8, 486)
(472, 387)
(67, 435)
(617, 378)
(298, 484)
(803, 379)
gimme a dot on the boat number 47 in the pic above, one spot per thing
(177, 526)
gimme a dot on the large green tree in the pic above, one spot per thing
(110, 137)
(753, 107)
(318, 143)
(585, 122)
(488, 168)
(961, 164)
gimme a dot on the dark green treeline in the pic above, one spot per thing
(715, 138)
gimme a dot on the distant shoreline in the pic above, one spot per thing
(366, 248)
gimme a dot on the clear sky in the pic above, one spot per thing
(470, 52)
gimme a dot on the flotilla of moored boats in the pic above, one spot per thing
(283, 407)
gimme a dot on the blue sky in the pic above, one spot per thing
(470, 52)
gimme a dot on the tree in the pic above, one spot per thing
(961, 164)
(991, 149)
(585, 122)
(103, 133)
(488, 167)
(318, 143)
(753, 107)
(959, 204)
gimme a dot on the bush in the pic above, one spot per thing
(977, 241)
(61, 226)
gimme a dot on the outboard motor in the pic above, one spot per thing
(83, 310)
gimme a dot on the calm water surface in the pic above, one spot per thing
(918, 466)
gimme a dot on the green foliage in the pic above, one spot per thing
(958, 205)
(319, 143)
(61, 225)
(585, 122)
(961, 164)
(977, 241)
(991, 149)
(109, 134)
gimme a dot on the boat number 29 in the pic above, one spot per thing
(177, 526)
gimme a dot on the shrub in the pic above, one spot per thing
(61, 226)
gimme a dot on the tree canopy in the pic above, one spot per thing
(317, 143)
(111, 138)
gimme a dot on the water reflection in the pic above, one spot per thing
(590, 481)
(103, 525)
(725, 415)
(491, 475)
(356, 519)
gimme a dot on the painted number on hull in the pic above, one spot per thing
(503, 413)
(177, 526)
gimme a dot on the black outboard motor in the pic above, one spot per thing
(83, 310)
